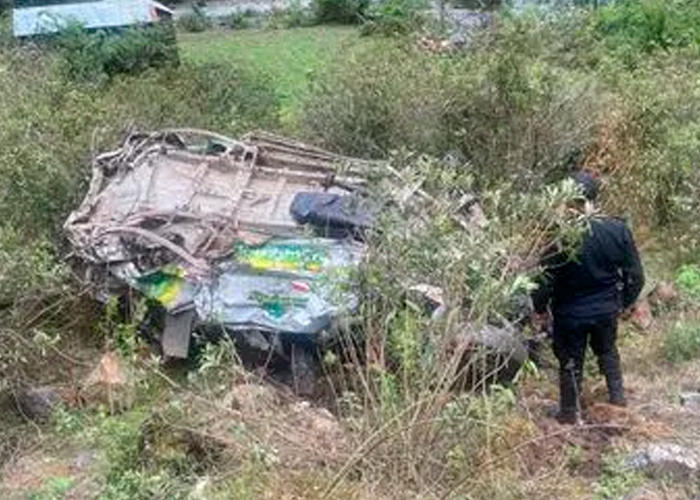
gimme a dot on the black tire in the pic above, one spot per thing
(495, 358)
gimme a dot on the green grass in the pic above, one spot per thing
(290, 58)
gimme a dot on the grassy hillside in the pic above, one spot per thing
(290, 58)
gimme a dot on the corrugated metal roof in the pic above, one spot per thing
(30, 21)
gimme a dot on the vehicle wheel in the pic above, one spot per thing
(495, 357)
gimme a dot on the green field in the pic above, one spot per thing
(289, 58)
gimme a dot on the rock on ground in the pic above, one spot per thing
(690, 400)
(666, 460)
(37, 403)
(663, 294)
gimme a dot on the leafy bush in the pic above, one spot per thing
(526, 94)
(418, 360)
(394, 17)
(21, 271)
(295, 15)
(239, 20)
(90, 56)
(139, 49)
(340, 11)
(688, 280)
(683, 343)
(651, 148)
(493, 111)
(195, 21)
(6, 37)
(647, 25)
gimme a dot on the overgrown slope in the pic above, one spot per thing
(614, 89)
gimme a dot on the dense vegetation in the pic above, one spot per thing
(613, 88)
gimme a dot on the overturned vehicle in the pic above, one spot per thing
(259, 239)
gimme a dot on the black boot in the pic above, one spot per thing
(569, 388)
(609, 364)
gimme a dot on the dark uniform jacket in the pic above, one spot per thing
(603, 278)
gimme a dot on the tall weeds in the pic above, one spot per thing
(399, 396)
(501, 115)
(531, 95)
(516, 111)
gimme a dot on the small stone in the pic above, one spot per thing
(665, 460)
(458, 40)
(690, 400)
(85, 459)
(37, 403)
(664, 293)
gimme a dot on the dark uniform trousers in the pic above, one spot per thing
(571, 336)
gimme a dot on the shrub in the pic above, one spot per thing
(21, 271)
(139, 49)
(411, 425)
(525, 95)
(647, 25)
(215, 96)
(651, 148)
(195, 21)
(494, 111)
(295, 15)
(6, 37)
(299, 16)
(394, 17)
(688, 280)
(240, 20)
(340, 11)
(683, 343)
(81, 56)
(90, 56)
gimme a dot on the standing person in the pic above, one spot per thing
(586, 293)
